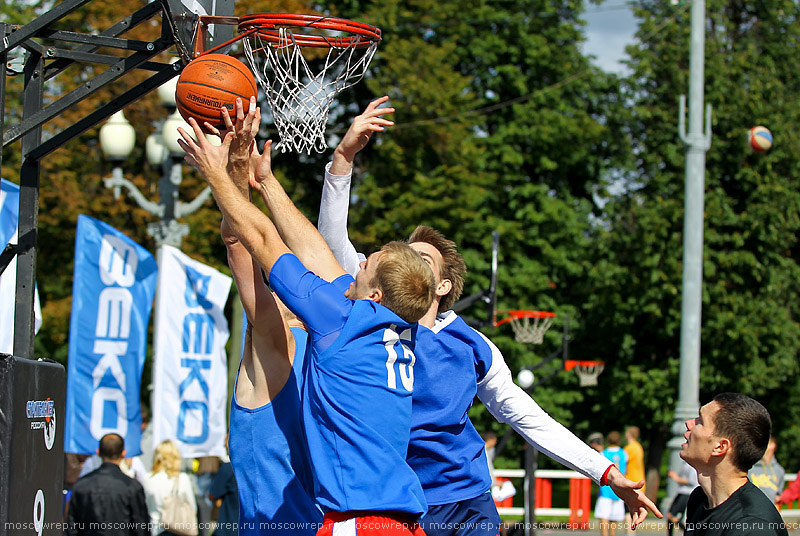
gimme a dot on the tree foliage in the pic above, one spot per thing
(502, 124)
(749, 328)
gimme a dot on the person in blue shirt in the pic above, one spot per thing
(446, 451)
(275, 482)
(360, 372)
(609, 508)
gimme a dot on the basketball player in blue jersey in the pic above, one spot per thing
(273, 471)
(445, 450)
(359, 378)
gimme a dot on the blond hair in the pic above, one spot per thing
(406, 281)
(167, 457)
(453, 266)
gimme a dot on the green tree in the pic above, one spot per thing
(632, 313)
(501, 124)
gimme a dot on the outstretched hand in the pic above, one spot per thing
(201, 154)
(631, 492)
(245, 130)
(362, 128)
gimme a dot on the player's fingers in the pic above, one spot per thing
(198, 132)
(226, 118)
(381, 111)
(240, 113)
(187, 140)
(211, 129)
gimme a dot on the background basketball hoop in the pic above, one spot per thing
(529, 326)
(587, 371)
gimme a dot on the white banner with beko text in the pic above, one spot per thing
(190, 374)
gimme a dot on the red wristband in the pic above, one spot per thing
(604, 478)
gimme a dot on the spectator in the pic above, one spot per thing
(686, 477)
(609, 508)
(595, 441)
(165, 477)
(106, 502)
(767, 474)
(635, 471)
(224, 494)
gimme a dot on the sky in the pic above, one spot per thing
(611, 26)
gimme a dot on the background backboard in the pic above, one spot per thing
(184, 18)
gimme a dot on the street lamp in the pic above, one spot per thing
(117, 139)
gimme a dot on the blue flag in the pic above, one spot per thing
(112, 297)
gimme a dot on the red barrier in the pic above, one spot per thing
(544, 493)
(580, 502)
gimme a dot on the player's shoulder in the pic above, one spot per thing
(450, 324)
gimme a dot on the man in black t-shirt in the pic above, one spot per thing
(729, 435)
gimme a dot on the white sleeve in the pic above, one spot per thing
(332, 222)
(509, 404)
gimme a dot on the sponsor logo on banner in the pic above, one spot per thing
(190, 371)
(113, 292)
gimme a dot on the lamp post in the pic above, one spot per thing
(117, 140)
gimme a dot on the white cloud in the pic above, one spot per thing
(611, 27)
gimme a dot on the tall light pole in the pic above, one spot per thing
(697, 143)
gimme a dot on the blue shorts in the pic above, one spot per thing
(472, 517)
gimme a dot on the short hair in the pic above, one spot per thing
(406, 281)
(633, 431)
(453, 266)
(746, 423)
(111, 447)
(166, 456)
(613, 439)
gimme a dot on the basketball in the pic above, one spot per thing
(210, 82)
(759, 139)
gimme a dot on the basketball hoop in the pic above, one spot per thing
(299, 98)
(529, 326)
(588, 371)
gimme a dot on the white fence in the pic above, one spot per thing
(793, 513)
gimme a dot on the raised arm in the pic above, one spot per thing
(508, 403)
(253, 228)
(335, 202)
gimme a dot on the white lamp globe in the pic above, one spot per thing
(155, 150)
(117, 137)
(166, 91)
(170, 134)
(525, 378)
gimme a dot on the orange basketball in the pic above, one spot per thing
(210, 82)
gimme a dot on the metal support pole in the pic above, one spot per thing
(28, 210)
(529, 487)
(697, 143)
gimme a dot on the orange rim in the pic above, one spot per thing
(266, 26)
(515, 315)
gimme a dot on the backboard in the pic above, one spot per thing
(184, 18)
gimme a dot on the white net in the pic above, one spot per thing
(588, 373)
(299, 98)
(530, 329)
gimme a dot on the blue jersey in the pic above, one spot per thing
(446, 451)
(620, 458)
(357, 396)
(272, 467)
